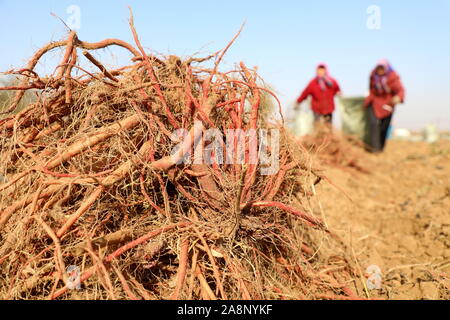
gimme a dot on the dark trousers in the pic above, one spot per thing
(327, 118)
(378, 129)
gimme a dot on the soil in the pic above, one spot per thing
(398, 219)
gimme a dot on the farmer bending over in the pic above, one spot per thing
(322, 89)
(386, 91)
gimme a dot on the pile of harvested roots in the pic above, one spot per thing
(91, 185)
(335, 149)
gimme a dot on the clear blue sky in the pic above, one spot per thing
(285, 39)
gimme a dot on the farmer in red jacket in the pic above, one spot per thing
(386, 91)
(322, 89)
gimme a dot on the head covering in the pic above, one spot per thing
(326, 80)
(381, 81)
(385, 64)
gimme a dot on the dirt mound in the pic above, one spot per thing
(398, 219)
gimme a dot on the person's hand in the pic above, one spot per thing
(296, 106)
(396, 100)
(388, 108)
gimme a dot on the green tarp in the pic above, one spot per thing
(303, 121)
(354, 117)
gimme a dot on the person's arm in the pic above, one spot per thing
(305, 94)
(337, 89)
(398, 90)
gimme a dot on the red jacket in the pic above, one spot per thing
(322, 100)
(379, 100)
